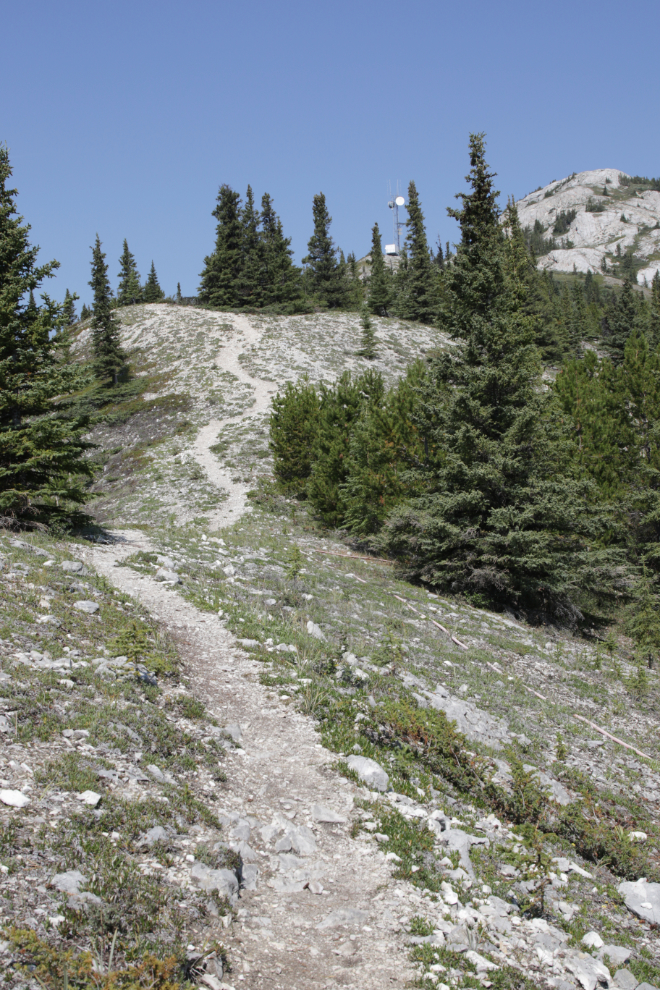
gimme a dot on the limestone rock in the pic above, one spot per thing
(86, 606)
(223, 881)
(642, 898)
(315, 630)
(14, 799)
(370, 772)
(322, 814)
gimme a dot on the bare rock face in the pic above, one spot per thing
(600, 225)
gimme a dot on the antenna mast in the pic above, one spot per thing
(394, 204)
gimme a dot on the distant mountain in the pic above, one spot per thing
(603, 220)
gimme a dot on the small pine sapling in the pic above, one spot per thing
(294, 560)
(368, 349)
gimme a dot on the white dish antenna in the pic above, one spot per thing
(400, 201)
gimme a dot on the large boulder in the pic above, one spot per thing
(369, 772)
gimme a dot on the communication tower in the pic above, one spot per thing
(394, 203)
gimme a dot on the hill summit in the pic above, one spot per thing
(590, 220)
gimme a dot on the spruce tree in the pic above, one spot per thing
(129, 290)
(179, 297)
(222, 269)
(281, 278)
(500, 522)
(42, 463)
(69, 308)
(620, 320)
(420, 300)
(654, 318)
(323, 269)
(368, 348)
(85, 312)
(109, 357)
(152, 291)
(380, 291)
(249, 282)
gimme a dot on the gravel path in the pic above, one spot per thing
(228, 359)
(290, 939)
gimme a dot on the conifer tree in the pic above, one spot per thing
(654, 317)
(249, 282)
(620, 320)
(355, 285)
(42, 464)
(69, 308)
(152, 291)
(179, 297)
(129, 291)
(109, 357)
(323, 270)
(222, 269)
(500, 521)
(420, 299)
(85, 312)
(380, 292)
(368, 349)
(281, 278)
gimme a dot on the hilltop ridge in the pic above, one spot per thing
(591, 229)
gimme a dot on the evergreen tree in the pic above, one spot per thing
(152, 291)
(654, 318)
(179, 297)
(419, 301)
(222, 269)
(500, 521)
(85, 312)
(129, 291)
(69, 308)
(42, 464)
(294, 424)
(323, 271)
(620, 320)
(249, 282)
(355, 285)
(380, 292)
(368, 349)
(281, 278)
(109, 357)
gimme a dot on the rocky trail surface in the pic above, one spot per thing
(312, 913)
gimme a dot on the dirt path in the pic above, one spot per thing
(286, 936)
(229, 360)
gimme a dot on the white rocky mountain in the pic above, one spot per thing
(603, 226)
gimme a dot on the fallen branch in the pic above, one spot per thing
(355, 556)
(609, 735)
(412, 609)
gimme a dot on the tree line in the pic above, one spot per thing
(478, 471)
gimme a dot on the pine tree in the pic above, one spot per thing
(249, 283)
(42, 463)
(620, 320)
(85, 312)
(368, 349)
(419, 301)
(179, 297)
(500, 522)
(281, 279)
(654, 318)
(380, 291)
(222, 269)
(69, 308)
(152, 291)
(323, 271)
(355, 289)
(129, 291)
(109, 357)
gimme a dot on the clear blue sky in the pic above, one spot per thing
(125, 117)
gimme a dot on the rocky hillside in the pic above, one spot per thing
(594, 218)
(238, 753)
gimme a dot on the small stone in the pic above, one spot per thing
(86, 606)
(322, 814)
(625, 980)
(14, 799)
(153, 835)
(314, 887)
(370, 772)
(642, 898)
(314, 630)
(343, 916)
(223, 881)
(69, 882)
(592, 940)
(616, 954)
(166, 562)
(248, 643)
(156, 772)
(89, 797)
(73, 566)
(637, 836)
(229, 570)
(164, 574)
(48, 620)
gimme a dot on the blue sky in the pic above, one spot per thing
(125, 117)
